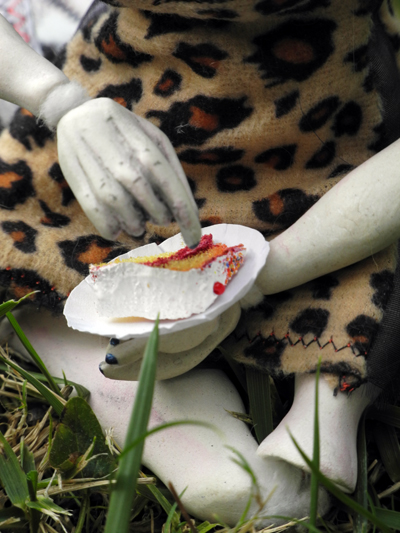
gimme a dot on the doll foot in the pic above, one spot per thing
(206, 464)
(338, 423)
(197, 460)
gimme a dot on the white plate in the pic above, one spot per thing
(80, 309)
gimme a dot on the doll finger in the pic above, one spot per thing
(162, 177)
(164, 144)
(101, 217)
(100, 160)
(127, 352)
(111, 194)
(171, 190)
(189, 338)
(134, 181)
(86, 136)
(122, 352)
(73, 158)
(170, 365)
(118, 176)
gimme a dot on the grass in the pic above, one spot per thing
(53, 481)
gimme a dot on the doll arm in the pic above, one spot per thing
(26, 78)
(357, 218)
(118, 165)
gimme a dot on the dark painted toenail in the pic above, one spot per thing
(111, 359)
(114, 342)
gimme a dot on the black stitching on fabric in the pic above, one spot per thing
(288, 341)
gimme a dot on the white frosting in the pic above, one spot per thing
(81, 311)
(130, 289)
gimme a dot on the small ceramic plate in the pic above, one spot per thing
(80, 309)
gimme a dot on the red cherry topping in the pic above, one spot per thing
(218, 288)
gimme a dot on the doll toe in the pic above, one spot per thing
(111, 359)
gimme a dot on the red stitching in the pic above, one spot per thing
(315, 339)
(344, 386)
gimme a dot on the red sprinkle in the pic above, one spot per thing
(218, 288)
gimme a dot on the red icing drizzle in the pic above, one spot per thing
(218, 288)
(205, 244)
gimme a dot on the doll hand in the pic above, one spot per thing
(119, 166)
(178, 352)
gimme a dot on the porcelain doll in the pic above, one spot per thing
(285, 119)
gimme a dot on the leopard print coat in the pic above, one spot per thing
(268, 103)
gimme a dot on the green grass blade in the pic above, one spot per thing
(83, 513)
(372, 496)
(316, 459)
(172, 518)
(389, 518)
(24, 403)
(361, 493)
(300, 522)
(52, 398)
(48, 482)
(153, 493)
(205, 527)
(124, 490)
(244, 516)
(27, 460)
(13, 478)
(259, 390)
(48, 507)
(389, 449)
(236, 368)
(6, 307)
(81, 391)
(28, 346)
(240, 460)
(352, 504)
(32, 480)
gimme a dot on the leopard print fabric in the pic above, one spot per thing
(268, 104)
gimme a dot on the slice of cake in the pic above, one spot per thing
(174, 284)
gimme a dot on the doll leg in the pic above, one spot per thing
(192, 457)
(338, 422)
